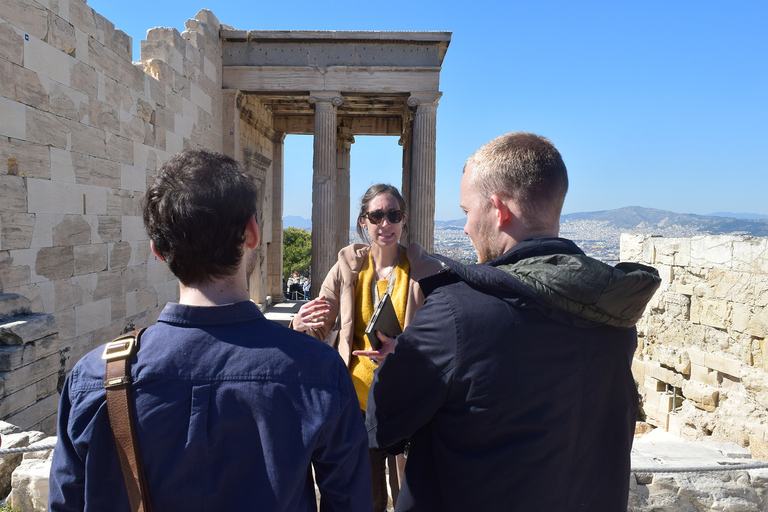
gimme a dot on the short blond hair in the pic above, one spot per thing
(526, 168)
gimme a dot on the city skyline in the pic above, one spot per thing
(655, 104)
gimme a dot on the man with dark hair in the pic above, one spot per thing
(232, 411)
(513, 383)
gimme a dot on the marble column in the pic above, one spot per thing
(324, 185)
(275, 249)
(231, 124)
(405, 142)
(343, 147)
(421, 223)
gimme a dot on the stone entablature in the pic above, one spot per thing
(702, 358)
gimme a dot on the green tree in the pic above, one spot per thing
(297, 251)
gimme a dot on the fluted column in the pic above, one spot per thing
(324, 185)
(405, 142)
(275, 249)
(421, 223)
(343, 147)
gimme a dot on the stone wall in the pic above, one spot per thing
(702, 357)
(82, 128)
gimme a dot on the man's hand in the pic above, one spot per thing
(387, 346)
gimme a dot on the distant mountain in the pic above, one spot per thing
(739, 215)
(294, 221)
(648, 220)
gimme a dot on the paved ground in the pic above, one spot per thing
(655, 449)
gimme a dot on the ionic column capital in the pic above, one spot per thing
(424, 100)
(326, 98)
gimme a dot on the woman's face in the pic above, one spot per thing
(385, 233)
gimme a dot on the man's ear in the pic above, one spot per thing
(152, 246)
(503, 215)
(252, 233)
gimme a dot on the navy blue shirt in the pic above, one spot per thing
(232, 412)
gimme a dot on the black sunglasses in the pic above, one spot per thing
(376, 216)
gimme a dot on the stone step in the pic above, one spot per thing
(20, 330)
(13, 304)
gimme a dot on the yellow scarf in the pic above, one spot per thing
(362, 368)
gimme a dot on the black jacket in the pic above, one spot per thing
(513, 384)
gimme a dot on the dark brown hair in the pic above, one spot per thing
(195, 212)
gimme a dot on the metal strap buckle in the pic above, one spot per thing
(119, 348)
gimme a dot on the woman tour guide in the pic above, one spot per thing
(350, 292)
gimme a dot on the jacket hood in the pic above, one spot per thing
(555, 276)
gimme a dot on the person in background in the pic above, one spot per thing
(513, 382)
(233, 411)
(350, 291)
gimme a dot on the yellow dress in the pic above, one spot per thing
(362, 368)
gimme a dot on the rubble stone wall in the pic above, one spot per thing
(82, 128)
(702, 357)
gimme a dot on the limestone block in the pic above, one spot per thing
(205, 23)
(72, 230)
(702, 396)
(16, 230)
(134, 278)
(673, 251)
(12, 438)
(47, 60)
(133, 228)
(110, 284)
(88, 140)
(94, 201)
(21, 330)
(133, 178)
(45, 196)
(109, 227)
(712, 251)
(29, 88)
(714, 313)
(62, 168)
(30, 485)
(146, 299)
(30, 17)
(160, 49)
(755, 382)
(65, 319)
(12, 43)
(13, 194)
(677, 305)
(61, 35)
(93, 315)
(25, 158)
(55, 262)
(104, 173)
(119, 149)
(66, 294)
(132, 127)
(85, 79)
(28, 375)
(173, 143)
(102, 58)
(7, 89)
(13, 117)
(750, 255)
(758, 324)
(120, 255)
(66, 102)
(133, 77)
(104, 116)
(13, 304)
(47, 129)
(90, 258)
(684, 289)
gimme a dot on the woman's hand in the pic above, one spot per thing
(377, 356)
(312, 314)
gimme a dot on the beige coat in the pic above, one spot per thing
(339, 290)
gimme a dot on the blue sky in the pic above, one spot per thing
(654, 103)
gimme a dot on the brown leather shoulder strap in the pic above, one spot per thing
(118, 354)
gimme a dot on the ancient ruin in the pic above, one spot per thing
(82, 128)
